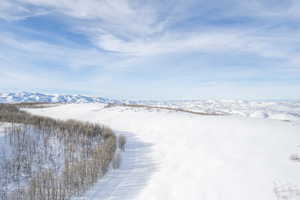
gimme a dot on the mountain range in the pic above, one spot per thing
(17, 97)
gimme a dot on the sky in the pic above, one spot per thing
(152, 49)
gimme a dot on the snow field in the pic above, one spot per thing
(194, 157)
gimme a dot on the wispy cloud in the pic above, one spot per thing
(131, 35)
(13, 46)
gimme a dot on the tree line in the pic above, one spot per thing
(52, 159)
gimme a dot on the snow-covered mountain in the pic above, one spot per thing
(51, 98)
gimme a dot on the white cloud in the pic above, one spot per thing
(142, 28)
(234, 42)
(13, 47)
(11, 10)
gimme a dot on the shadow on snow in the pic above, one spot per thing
(132, 176)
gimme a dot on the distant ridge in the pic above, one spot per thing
(17, 97)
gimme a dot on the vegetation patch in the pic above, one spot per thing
(47, 159)
(160, 108)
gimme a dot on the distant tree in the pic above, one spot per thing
(122, 142)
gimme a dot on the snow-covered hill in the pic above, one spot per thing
(280, 110)
(176, 155)
(51, 98)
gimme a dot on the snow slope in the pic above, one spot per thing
(174, 155)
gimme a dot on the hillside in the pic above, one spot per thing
(280, 110)
(176, 155)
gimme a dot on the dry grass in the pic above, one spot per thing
(161, 108)
(36, 104)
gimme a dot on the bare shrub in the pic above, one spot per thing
(295, 157)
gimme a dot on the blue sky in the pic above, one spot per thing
(152, 49)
